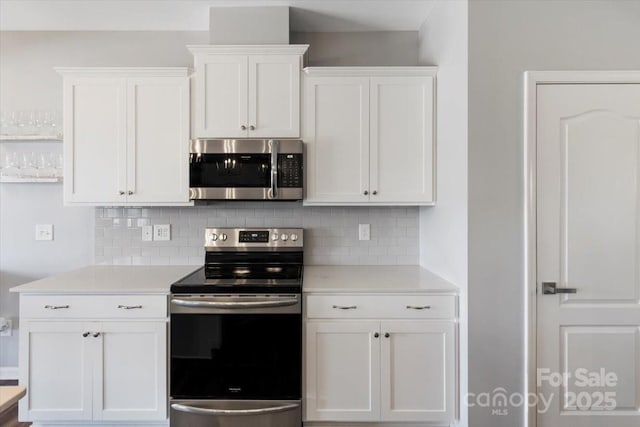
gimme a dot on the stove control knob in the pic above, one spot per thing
(223, 237)
(284, 237)
(213, 237)
(275, 237)
(294, 237)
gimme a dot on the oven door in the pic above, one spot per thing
(236, 347)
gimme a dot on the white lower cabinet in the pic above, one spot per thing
(379, 370)
(94, 370)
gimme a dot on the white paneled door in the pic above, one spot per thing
(588, 239)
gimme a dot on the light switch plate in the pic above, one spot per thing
(364, 231)
(147, 233)
(44, 231)
(162, 232)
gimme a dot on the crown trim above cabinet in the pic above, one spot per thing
(429, 71)
(284, 49)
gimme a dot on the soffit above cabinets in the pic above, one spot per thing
(191, 15)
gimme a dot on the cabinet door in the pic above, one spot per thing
(94, 140)
(274, 96)
(342, 371)
(221, 96)
(130, 378)
(418, 371)
(336, 132)
(402, 135)
(55, 367)
(158, 140)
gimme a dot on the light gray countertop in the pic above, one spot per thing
(110, 279)
(374, 279)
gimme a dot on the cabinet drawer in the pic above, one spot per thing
(381, 306)
(99, 306)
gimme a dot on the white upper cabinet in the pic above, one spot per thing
(126, 136)
(370, 135)
(247, 91)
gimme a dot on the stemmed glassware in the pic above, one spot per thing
(30, 123)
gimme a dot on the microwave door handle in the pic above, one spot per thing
(275, 149)
(210, 411)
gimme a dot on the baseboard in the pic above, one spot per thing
(8, 372)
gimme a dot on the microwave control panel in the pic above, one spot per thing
(290, 173)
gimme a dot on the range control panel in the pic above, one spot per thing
(220, 238)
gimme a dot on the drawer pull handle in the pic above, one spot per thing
(345, 307)
(55, 307)
(419, 307)
(129, 307)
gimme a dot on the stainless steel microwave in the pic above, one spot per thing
(245, 169)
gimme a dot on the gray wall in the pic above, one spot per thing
(360, 48)
(505, 39)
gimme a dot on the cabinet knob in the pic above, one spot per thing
(86, 334)
(243, 127)
(366, 193)
(129, 192)
(387, 335)
(376, 335)
(375, 192)
(121, 192)
(96, 335)
(252, 127)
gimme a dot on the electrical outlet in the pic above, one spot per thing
(5, 327)
(147, 233)
(162, 232)
(364, 231)
(44, 231)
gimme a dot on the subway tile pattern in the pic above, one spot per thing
(331, 233)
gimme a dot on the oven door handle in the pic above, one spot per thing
(275, 150)
(259, 411)
(236, 304)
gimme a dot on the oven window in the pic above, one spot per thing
(230, 170)
(236, 356)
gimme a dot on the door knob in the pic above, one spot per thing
(96, 335)
(252, 127)
(129, 192)
(375, 192)
(243, 127)
(121, 192)
(86, 334)
(549, 288)
(376, 335)
(366, 193)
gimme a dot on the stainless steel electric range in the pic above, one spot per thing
(236, 332)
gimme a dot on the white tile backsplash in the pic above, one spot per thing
(331, 233)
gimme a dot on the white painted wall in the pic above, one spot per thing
(443, 229)
(505, 39)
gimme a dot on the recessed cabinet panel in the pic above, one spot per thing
(402, 139)
(94, 144)
(336, 132)
(343, 379)
(221, 96)
(56, 369)
(158, 134)
(274, 104)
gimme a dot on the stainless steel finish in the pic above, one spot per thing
(243, 127)
(252, 127)
(275, 147)
(387, 335)
(129, 307)
(55, 307)
(236, 304)
(86, 334)
(243, 146)
(232, 242)
(366, 193)
(549, 288)
(242, 193)
(419, 307)
(235, 413)
(215, 411)
(345, 307)
(96, 335)
(121, 192)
